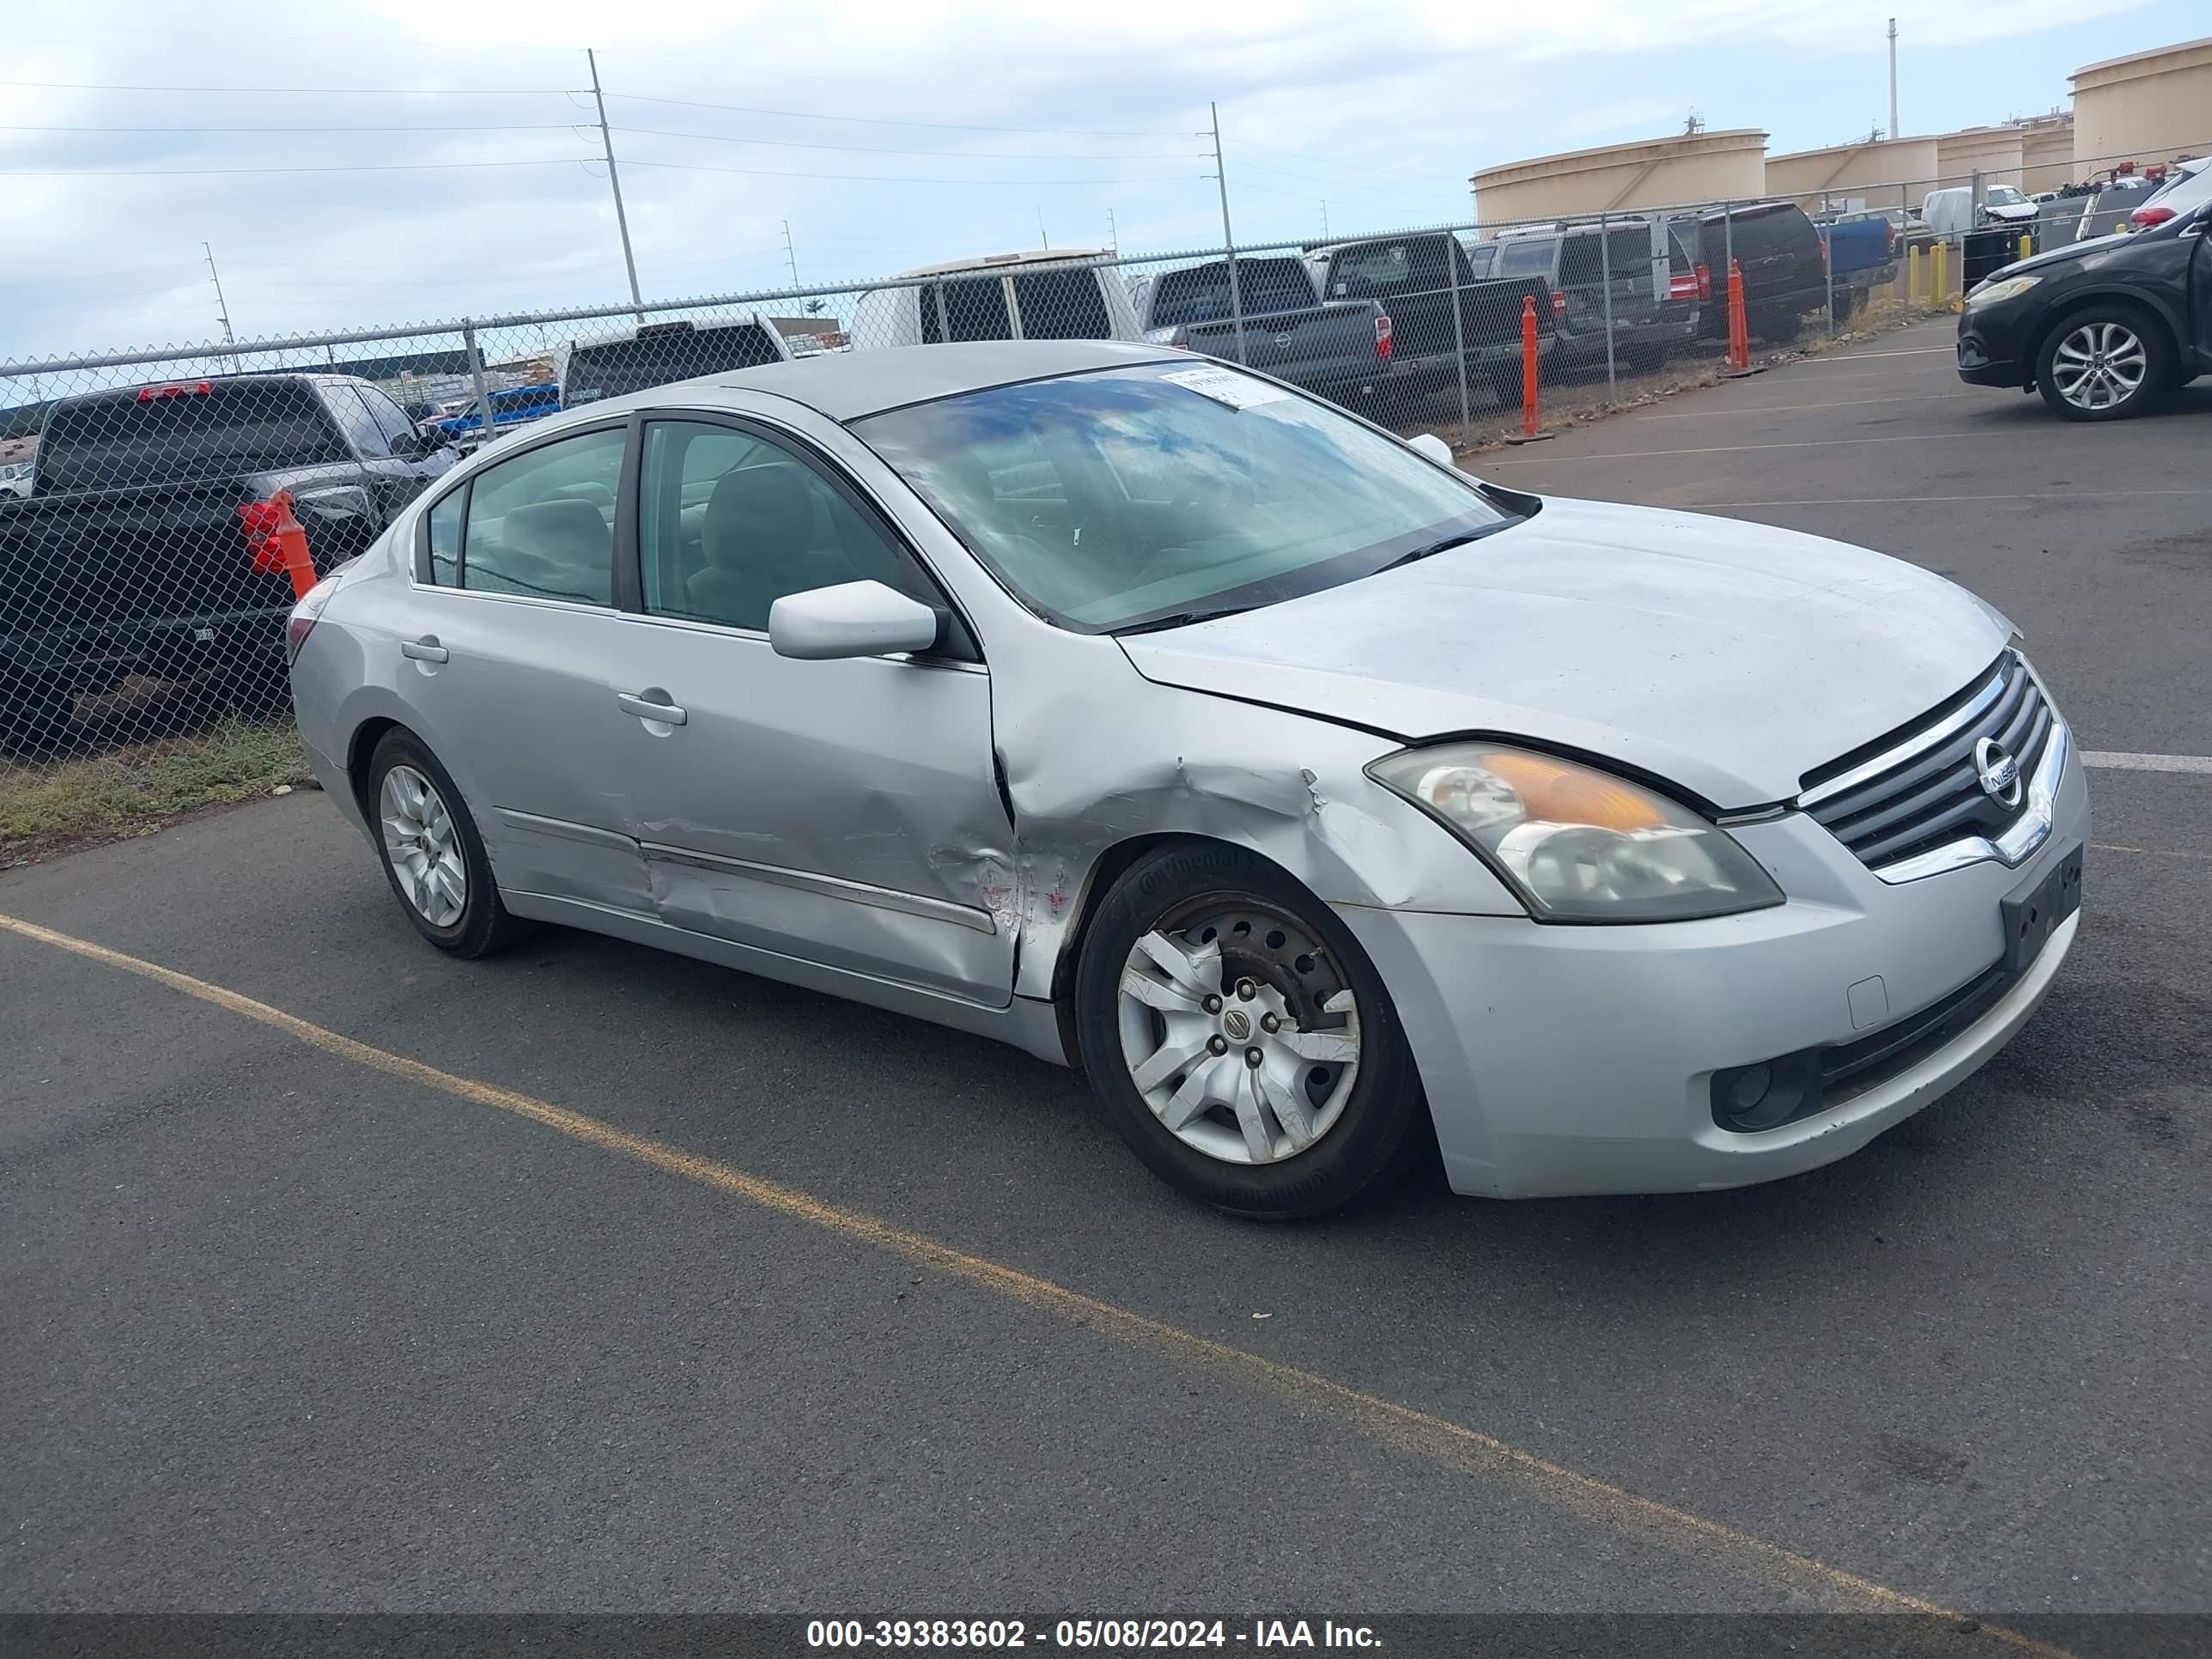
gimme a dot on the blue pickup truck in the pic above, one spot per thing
(1861, 255)
(511, 407)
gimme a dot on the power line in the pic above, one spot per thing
(1356, 166)
(201, 173)
(896, 177)
(877, 120)
(1334, 186)
(410, 126)
(888, 149)
(318, 92)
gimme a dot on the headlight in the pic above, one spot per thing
(1576, 843)
(1990, 292)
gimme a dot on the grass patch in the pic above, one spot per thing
(134, 791)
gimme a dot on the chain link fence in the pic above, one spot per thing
(159, 509)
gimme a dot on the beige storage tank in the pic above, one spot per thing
(1686, 168)
(1874, 171)
(2046, 154)
(1993, 152)
(2149, 106)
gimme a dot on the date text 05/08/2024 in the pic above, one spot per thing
(832, 1634)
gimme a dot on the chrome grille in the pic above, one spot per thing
(1921, 790)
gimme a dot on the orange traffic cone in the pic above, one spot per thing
(291, 538)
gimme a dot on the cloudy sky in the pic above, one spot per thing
(359, 162)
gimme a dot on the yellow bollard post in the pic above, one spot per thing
(1939, 284)
(1912, 274)
(2026, 246)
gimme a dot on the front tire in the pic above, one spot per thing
(1241, 1041)
(431, 852)
(2105, 363)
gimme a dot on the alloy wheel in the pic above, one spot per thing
(2100, 366)
(1238, 1031)
(424, 847)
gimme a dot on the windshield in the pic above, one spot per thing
(1126, 496)
(2004, 196)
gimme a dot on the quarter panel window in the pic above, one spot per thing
(729, 523)
(446, 537)
(543, 523)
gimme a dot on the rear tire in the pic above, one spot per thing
(1328, 1113)
(2106, 362)
(431, 852)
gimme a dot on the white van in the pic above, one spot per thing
(641, 355)
(1950, 212)
(1045, 294)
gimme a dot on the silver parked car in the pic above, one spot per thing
(1152, 715)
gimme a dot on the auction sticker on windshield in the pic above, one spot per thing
(1226, 387)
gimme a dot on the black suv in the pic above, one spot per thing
(2103, 329)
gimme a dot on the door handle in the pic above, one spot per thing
(645, 710)
(426, 649)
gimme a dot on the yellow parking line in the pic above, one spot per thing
(1400, 1427)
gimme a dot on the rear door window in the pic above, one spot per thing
(1526, 256)
(973, 308)
(1062, 305)
(1579, 265)
(541, 523)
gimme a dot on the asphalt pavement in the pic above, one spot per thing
(590, 1278)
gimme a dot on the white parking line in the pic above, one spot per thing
(1928, 501)
(1799, 408)
(2147, 763)
(1861, 357)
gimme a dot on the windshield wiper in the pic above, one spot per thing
(1445, 545)
(1180, 619)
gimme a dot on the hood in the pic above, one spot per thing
(2059, 256)
(2011, 212)
(1728, 657)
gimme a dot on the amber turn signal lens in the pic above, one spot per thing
(1559, 792)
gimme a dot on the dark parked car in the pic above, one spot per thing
(1778, 251)
(1339, 349)
(1414, 279)
(148, 542)
(1653, 280)
(2103, 329)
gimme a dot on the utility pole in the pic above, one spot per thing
(1324, 222)
(614, 181)
(1227, 237)
(222, 306)
(1042, 237)
(1113, 233)
(790, 254)
(1894, 132)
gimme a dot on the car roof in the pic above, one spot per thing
(1033, 256)
(847, 385)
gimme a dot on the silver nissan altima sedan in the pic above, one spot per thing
(1322, 803)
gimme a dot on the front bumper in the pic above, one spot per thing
(1562, 1060)
(1988, 350)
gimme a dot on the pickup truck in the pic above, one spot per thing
(148, 543)
(1339, 349)
(1653, 289)
(1779, 254)
(1861, 255)
(1412, 279)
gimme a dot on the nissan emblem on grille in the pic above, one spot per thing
(1998, 772)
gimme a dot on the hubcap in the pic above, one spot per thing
(2100, 366)
(1239, 1032)
(423, 846)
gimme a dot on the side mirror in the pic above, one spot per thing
(1433, 447)
(853, 619)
